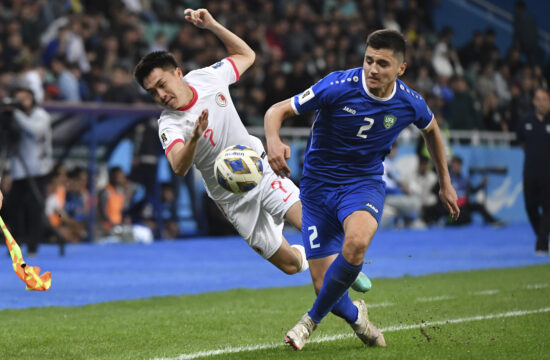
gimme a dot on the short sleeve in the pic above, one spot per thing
(312, 98)
(170, 133)
(225, 70)
(424, 115)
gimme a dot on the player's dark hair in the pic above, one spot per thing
(151, 61)
(388, 39)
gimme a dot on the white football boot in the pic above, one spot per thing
(300, 333)
(364, 329)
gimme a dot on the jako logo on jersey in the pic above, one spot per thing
(350, 110)
(217, 65)
(372, 207)
(389, 120)
(306, 96)
(221, 100)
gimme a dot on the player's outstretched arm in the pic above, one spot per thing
(241, 54)
(447, 193)
(1, 199)
(181, 156)
(277, 151)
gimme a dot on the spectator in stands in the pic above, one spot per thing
(470, 54)
(31, 164)
(111, 202)
(489, 51)
(66, 81)
(169, 212)
(464, 189)
(462, 109)
(445, 59)
(60, 220)
(400, 206)
(423, 184)
(534, 135)
(146, 153)
(485, 82)
(492, 116)
(77, 202)
(122, 89)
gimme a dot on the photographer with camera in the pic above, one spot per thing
(30, 152)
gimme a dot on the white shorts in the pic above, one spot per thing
(258, 216)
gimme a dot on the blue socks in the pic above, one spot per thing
(338, 278)
(345, 309)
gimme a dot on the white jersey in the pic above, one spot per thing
(210, 86)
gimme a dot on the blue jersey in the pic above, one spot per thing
(353, 130)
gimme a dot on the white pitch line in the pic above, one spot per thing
(486, 292)
(536, 286)
(434, 298)
(232, 350)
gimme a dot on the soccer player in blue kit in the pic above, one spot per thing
(358, 115)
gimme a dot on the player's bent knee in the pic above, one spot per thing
(356, 243)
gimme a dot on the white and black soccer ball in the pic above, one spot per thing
(238, 169)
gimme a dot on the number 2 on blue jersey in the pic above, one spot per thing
(365, 128)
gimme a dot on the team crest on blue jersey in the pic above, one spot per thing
(389, 121)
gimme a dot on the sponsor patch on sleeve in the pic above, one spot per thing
(306, 96)
(165, 139)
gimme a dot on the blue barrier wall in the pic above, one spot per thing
(504, 193)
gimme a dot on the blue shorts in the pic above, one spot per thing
(325, 206)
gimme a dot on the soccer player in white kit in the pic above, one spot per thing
(200, 120)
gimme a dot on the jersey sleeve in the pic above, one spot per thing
(312, 98)
(424, 115)
(170, 133)
(225, 70)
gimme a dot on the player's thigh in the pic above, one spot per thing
(278, 196)
(322, 233)
(256, 226)
(360, 208)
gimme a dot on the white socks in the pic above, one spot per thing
(305, 264)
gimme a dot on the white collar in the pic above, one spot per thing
(374, 96)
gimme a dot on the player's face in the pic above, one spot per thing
(541, 102)
(166, 87)
(381, 68)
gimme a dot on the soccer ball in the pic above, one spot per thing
(238, 169)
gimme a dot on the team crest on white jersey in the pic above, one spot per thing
(306, 96)
(389, 121)
(221, 99)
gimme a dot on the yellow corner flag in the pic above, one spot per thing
(29, 274)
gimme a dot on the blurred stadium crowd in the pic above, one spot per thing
(85, 50)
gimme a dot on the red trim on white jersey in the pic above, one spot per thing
(193, 100)
(172, 144)
(234, 68)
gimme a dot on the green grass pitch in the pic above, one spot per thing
(491, 314)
